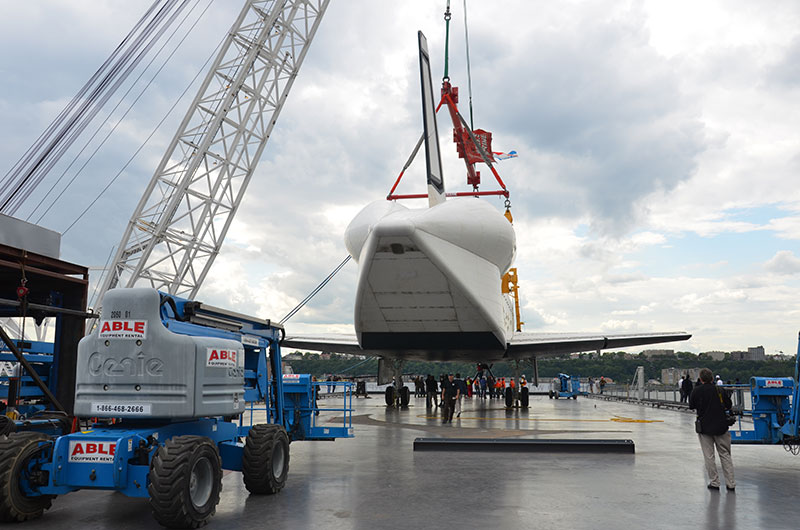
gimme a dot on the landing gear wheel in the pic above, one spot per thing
(509, 397)
(551, 394)
(575, 396)
(524, 397)
(185, 481)
(19, 453)
(389, 395)
(265, 460)
(405, 396)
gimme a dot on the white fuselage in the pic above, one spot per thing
(430, 279)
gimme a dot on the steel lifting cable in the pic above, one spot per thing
(201, 70)
(41, 140)
(100, 97)
(447, 16)
(317, 289)
(158, 126)
(469, 73)
(88, 109)
(48, 143)
(130, 107)
(31, 169)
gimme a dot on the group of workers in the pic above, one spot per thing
(481, 387)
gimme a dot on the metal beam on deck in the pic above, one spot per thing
(516, 445)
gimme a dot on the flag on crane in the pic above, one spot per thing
(504, 156)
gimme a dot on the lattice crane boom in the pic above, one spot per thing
(181, 220)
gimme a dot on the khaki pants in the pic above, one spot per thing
(723, 445)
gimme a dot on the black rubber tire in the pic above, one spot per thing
(405, 396)
(551, 394)
(16, 451)
(575, 396)
(185, 482)
(7, 425)
(389, 395)
(509, 397)
(524, 397)
(265, 460)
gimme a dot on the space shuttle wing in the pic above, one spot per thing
(330, 342)
(526, 345)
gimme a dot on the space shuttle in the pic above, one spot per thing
(430, 279)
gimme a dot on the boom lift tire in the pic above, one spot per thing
(7, 425)
(405, 396)
(16, 452)
(524, 397)
(185, 481)
(509, 397)
(265, 461)
(389, 395)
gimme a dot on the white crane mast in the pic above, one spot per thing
(181, 221)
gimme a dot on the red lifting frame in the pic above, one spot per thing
(466, 143)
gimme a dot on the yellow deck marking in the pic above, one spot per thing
(623, 419)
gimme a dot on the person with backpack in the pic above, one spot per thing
(711, 403)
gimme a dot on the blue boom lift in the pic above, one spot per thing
(775, 411)
(566, 386)
(170, 383)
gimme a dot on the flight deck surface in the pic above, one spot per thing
(376, 480)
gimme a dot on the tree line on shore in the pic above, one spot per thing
(612, 365)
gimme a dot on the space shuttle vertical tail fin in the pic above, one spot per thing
(433, 158)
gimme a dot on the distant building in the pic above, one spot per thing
(752, 354)
(658, 353)
(715, 355)
(671, 376)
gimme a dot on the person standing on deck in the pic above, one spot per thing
(687, 388)
(433, 392)
(462, 391)
(711, 402)
(450, 394)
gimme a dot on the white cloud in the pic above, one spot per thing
(783, 262)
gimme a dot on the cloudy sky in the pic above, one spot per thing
(656, 187)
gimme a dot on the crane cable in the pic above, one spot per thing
(446, 77)
(119, 121)
(469, 72)
(316, 289)
(60, 135)
(447, 15)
